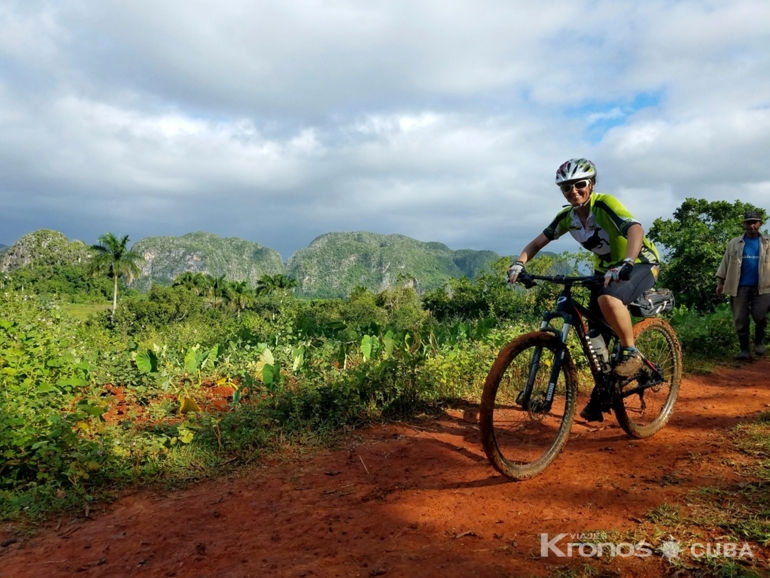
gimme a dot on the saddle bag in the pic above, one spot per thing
(652, 302)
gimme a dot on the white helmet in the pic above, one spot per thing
(575, 169)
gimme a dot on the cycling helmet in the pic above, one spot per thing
(575, 169)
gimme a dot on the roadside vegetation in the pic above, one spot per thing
(102, 386)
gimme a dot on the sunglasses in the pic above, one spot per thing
(753, 222)
(567, 187)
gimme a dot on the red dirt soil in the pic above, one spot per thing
(414, 499)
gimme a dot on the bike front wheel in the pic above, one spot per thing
(521, 435)
(642, 414)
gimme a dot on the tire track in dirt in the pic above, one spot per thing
(414, 499)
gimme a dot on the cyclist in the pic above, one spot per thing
(630, 262)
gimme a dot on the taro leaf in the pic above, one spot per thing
(299, 358)
(212, 355)
(268, 375)
(366, 346)
(208, 358)
(267, 357)
(260, 365)
(192, 361)
(389, 343)
(187, 405)
(147, 361)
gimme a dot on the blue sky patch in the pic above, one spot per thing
(600, 117)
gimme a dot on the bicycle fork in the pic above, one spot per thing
(543, 405)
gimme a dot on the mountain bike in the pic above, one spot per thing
(530, 395)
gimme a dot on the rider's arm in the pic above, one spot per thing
(634, 235)
(534, 247)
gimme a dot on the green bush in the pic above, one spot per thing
(705, 335)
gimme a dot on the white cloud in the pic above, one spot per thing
(440, 120)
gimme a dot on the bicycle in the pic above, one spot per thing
(530, 395)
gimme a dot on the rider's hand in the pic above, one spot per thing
(621, 273)
(513, 272)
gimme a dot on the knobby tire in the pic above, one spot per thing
(657, 340)
(521, 443)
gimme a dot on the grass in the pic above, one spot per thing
(83, 311)
(736, 513)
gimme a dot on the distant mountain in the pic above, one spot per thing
(236, 259)
(331, 266)
(43, 247)
(334, 263)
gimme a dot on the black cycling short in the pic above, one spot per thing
(643, 277)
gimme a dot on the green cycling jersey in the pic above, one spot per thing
(604, 234)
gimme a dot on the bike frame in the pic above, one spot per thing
(574, 315)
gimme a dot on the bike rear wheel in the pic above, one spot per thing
(643, 414)
(521, 443)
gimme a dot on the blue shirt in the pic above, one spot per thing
(750, 262)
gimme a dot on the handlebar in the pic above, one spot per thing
(528, 279)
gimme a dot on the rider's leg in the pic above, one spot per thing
(616, 315)
(613, 301)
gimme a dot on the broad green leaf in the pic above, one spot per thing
(267, 357)
(45, 388)
(192, 361)
(366, 346)
(147, 361)
(268, 375)
(389, 343)
(299, 358)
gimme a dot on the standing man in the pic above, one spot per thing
(744, 275)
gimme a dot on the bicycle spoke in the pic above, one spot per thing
(522, 442)
(644, 413)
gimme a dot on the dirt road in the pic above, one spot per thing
(410, 500)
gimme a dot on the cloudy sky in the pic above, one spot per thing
(443, 120)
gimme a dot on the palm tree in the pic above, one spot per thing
(218, 291)
(114, 258)
(269, 284)
(186, 280)
(242, 296)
